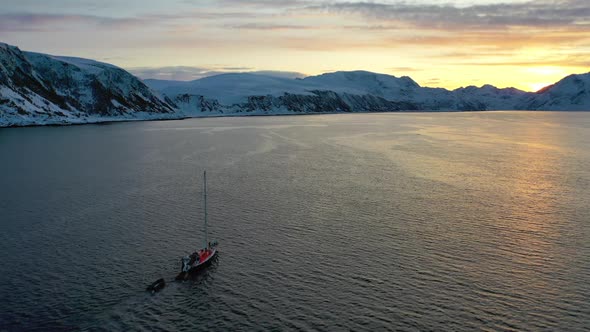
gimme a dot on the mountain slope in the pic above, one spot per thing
(42, 89)
(360, 91)
(355, 91)
(569, 94)
(236, 87)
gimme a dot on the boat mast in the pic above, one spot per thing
(205, 207)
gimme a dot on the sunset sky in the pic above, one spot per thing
(525, 44)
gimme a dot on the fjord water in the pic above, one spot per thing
(406, 221)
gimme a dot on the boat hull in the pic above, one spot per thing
(197, 267)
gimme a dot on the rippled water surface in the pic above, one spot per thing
(450, 221)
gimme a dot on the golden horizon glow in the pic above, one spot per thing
(534, 87)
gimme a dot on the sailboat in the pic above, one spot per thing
(203, 257)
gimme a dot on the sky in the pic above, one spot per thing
(522, 44)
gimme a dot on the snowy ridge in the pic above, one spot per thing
(37, 89)
(42, 89)
(237, 87)
(359, 91)
(234, 88)
(569, 94)
(355, 91)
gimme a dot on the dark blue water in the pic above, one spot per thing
(451, 221)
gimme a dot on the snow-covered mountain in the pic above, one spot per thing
(570, 94)
(354, 91)
(358, 91)
(43, 89)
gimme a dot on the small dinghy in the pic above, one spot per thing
(201, 257)
(156, 286)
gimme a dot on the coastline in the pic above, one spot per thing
(108, 121)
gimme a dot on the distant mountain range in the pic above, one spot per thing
(38, 89)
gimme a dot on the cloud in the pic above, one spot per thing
(495, 40)
(533, 13)
(403, 69)
(51, 22)
(173, 73)
(236, 68)
(266, 4)
(269, 26)
(577, 61)
(186, 73)
(17, 22)
(278, 73)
